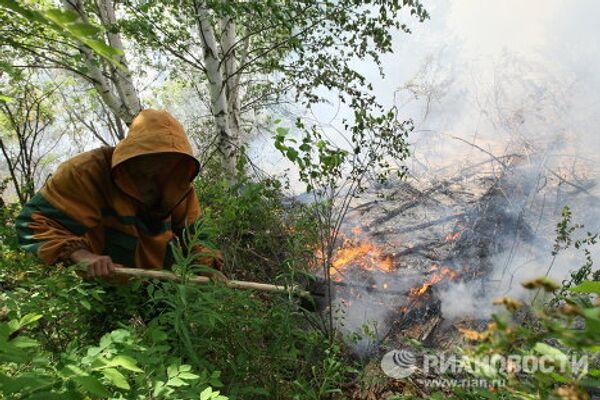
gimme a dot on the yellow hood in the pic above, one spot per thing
(153, 132)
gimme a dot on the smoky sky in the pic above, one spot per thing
(509, 77)
(475, 65)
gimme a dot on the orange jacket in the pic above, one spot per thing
(91, 203)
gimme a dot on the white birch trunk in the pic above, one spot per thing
(218, 93)
(228, 40)
(105, 85)
(122, 76)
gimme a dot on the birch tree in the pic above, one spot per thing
(114, 83)
(256, 54)
(34, 44)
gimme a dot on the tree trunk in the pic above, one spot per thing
(122, 76)
(227, 139)
(115, 88)
(228, 41)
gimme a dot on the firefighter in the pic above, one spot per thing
(119, 206)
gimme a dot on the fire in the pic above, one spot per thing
(357, 230)
(365, 255)
(346, 255)
(452, 236)
(444, 272)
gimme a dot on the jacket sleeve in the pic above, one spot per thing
(53, 223)
(184, 217)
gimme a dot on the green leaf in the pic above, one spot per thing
(558, 377)
(105, 341)
(86, 304)
(550, 351)
(305, 147)
(120, 335)
(594, 372)
(208, 394)
(587, 287)
(84, 30)
(23, 342)
(480, 368)
(145, 7)
(188, 375)
(64, 22)
(159, 388)
(116, 378)
(129, 363)
(5, 331)
(71, 370)
(29, 319)
(23, 383)
(185, 367)
(23, 11)
(51, 396)
(60, 16)
(102, 48)
(93, 351)
(590, 382)
(158, 335)
(172, 370)
(592, 319)
(176, 382)
(6, 99)
(282, 131)
(92, 385)
(292, 154)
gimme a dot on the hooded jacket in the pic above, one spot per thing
(91, 203)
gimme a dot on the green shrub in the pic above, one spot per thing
(62, 337)
(564, 328)
(260, 233)
(121, 366)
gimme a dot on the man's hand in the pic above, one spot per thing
(97, 266)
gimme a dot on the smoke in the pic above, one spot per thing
(502, 95)
(487, 91)
(474, 299)
(459, 300)
(521, 126)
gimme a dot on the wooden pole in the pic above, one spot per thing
(139, 273)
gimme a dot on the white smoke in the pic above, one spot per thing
(482, 80)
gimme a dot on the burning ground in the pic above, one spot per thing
(423, 258)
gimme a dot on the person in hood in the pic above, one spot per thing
(119, 206)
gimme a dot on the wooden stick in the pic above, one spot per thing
(203, 280)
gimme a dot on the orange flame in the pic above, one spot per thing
(365, 255)
(445, 272)
(452, 236)
(345, 255)
(370, 257)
